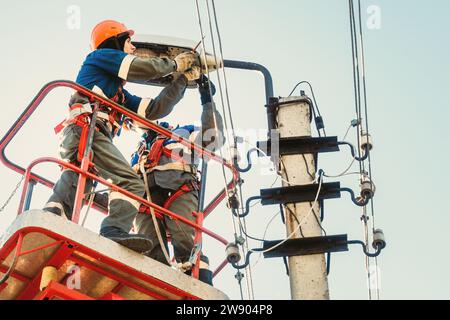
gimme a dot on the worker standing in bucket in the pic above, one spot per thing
(105, 71)
(169, 171)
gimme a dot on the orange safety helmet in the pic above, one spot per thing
(105, 30)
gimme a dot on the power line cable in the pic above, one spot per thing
(247, 270)
(264, 235)
(357, 88)
(361, 36)
(202, 36)
(361, 90)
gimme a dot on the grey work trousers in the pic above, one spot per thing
(111, 165)
(182, 235)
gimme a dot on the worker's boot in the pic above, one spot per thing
(204, 274)
(135, 242)
(57, 209)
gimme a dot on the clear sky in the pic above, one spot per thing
(407, 76)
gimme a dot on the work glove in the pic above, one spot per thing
(186, 60)
(193, 73)
(203, 89)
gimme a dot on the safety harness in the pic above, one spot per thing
(151, 159)
(147, 162)
(80, 114)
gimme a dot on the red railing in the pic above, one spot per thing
(66, 251)
(83, 170)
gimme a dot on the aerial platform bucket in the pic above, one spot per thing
(58, 259)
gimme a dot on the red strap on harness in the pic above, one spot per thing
(80, 120)
(60, 126)
(76, 106)
(83, 122)
(153, 158)
(83, 141)
(156, 152)
(185, 188)
(169, 154)
(146, 210)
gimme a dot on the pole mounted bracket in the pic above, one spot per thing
(273, 104)
(299, 145)
(296, 194)
(306, 246)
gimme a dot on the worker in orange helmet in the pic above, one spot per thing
(105, 71)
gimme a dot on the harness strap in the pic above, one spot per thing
(155, 153)
(60, 126)
(82, 121)
(77, 114)
(112, 118)
(174, 166)
(185, 188)
(82, 145)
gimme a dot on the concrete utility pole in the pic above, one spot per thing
(308, 275)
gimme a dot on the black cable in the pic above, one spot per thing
(242, 229)
(357, 88)
(247, 207)
(282, 213)
(307, 168)
(355, 59)
(247, 259)
(366, 118)
(352, 195)
(358, 78)
(287, 207)
(286, 265)
(295, 87)
(365, 102)
(352, 150)
(322, 210)
(312, 92)
(296, 219)
(355, 70)
(314, 211)
(249, 161)
(319, 116)
(366, 252)
(223, 69)
(317, 219)
(247, 235)
(328, 262)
